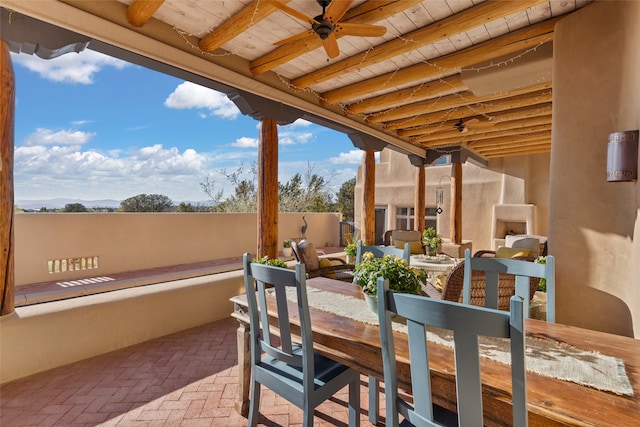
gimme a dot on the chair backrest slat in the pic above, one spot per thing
(467, 323)
(277, 280)
(523, 272)
(380, 251)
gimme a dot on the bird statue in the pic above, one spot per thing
(303, 229)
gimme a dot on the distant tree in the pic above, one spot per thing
(147, 203)
(190, 207)
(245, 196)
(74, 207)
(346, 198)
(306, 193)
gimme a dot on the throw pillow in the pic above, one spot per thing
(324, 262)
(505, 252)
(415, 247)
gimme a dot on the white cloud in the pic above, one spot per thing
(79, 68)
(353, 157)
(62, 137)
(47, 170)
(190, 95)
(245, 142)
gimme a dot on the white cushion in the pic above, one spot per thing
(524, 242)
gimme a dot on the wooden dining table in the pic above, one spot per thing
(551, 402)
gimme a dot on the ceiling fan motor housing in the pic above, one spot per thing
(323, 28)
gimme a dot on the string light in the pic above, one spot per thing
(475, 109)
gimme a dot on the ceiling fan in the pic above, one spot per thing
(327, 25)
(463, 126)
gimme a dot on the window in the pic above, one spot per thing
(405, 218)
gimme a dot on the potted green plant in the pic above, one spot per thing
(351, 250)
(275, 262)
(402, 278)
(431, 241)
(286, 248)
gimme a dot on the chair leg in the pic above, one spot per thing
(254, 404)
(307, 417)
(354, 403)
(374, 392)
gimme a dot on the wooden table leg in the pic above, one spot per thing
(244, 369)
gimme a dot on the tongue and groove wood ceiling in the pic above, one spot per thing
(431, 74)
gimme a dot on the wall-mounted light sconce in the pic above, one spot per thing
(440, 194)
(622, 156)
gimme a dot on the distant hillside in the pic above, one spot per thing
(61, 203)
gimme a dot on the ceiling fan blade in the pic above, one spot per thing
(331, 45)
(362, 30)
(296, 37)
(336, 10)
(290, 11)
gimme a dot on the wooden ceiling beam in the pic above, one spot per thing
(512, 43)
(140, 11)
(438, 117)
(428, 90)
(513, 127)
(523, 151)
(515, 147)
(492, 137)
(249, 15)
(455, 24)
(512, 119)
(506, 141)
(367, 13)
(449, 102)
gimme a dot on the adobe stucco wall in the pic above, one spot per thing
(594, 226)
(136, 241)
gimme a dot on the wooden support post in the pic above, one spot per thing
(7, 117)
(268, 189)
(419, 199)
(455, 217)
(368, 226)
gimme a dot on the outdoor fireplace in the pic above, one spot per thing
(512, 220)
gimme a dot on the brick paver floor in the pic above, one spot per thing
(184, 379)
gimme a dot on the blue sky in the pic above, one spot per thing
(92, 127)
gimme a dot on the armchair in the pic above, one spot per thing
(333, 267)
(454, 283)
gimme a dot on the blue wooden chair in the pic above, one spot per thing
(467, 323)
(523, 272)
(292, 370)
(378, 252)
